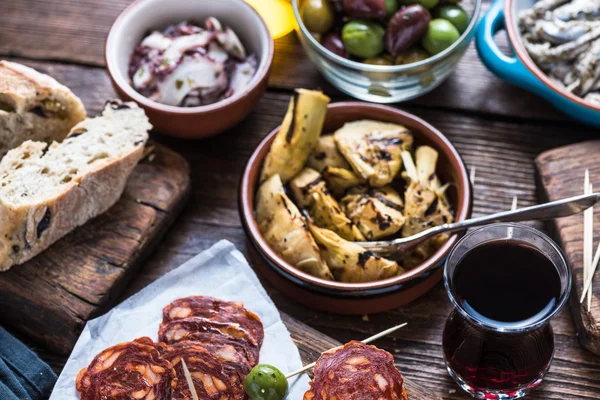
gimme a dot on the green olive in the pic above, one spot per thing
(429, 4)
(318, 15)
(439, 36)
(266, 382)
(379, 60)
(456, 15)
(412, 55)
(391, 6)
(363, 38)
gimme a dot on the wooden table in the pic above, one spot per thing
(497, 128)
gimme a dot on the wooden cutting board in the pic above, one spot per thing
(312, 343)
(51, 297)
(561, 173)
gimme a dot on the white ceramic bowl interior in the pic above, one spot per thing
(144, 16)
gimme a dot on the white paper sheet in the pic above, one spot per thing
(221, 272)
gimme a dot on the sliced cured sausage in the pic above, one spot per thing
(234, 364)
(218, 311)
(356, 371)
(204, 330)
(130, 370)
(210, 379)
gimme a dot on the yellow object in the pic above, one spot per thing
(278, 14)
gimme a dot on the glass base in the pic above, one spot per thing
(492, 394)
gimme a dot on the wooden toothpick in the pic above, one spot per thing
(588, 282)
(588, 236)
(472, 175)
(367, 340)
(188, 378)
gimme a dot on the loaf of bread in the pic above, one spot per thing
(48, 190)
(34, 106)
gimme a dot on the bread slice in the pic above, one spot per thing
(48, 190)
(34, 106)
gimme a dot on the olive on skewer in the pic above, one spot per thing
(266, 382)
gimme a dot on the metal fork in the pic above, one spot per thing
(554, 209)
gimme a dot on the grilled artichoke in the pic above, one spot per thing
(425, 202)
(339, 179)
(311, 193)
(326, 154)
(373, 149)
(283, 227)
(377, 212)
(349, 262)
(298, 136)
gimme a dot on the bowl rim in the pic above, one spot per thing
(124, 85)
(249, 220)
(515, 40)
(465, 36)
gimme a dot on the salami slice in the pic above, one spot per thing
(210, 379)
(206, 331)
(356, 371)
(218, 311)
(131, 370)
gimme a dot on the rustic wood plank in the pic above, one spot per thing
(500, 147)
(561, 173)
(52, 296)
(74, 31)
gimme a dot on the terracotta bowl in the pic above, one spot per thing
(357, 298)
(142, 16)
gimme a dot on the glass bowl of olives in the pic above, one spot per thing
(386, 51)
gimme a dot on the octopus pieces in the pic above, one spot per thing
(189, 66)
(356, 371)
(206, 343)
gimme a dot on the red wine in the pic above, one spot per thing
(507, 283)
(503, 285)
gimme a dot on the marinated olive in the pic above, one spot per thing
(405, 28)
(318, 15)
(429, 4)
(266, 382)
(412, 55)
(333, 43)
(456, 15)
(373, 9)
(363, 38)
(439, 36)
(380, 60)
(391, 6)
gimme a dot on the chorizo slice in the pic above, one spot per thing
(234, 364)
(356, 371)
(204, 330)
(218, 311)
(210, 379)
(130, 370)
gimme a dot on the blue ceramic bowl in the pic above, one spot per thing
(520, 70)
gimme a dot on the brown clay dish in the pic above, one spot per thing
(358, 298)
(132, 26)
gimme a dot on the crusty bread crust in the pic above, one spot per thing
(24, 93)
(28, 228)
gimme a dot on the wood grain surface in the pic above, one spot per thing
(52, 296)
(561, 173)
(497, 128)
